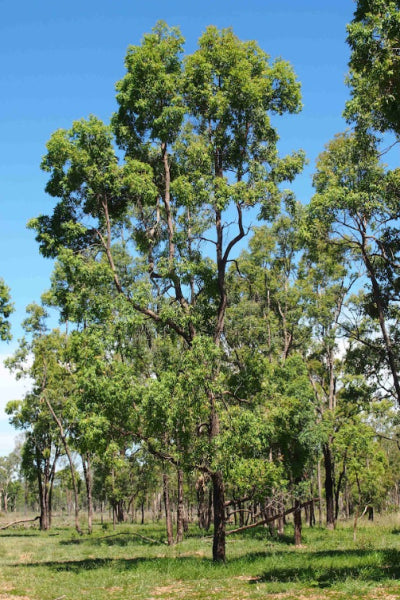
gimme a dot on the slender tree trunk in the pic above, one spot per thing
(44, 512)
(356, 515)
(347, 506)
(297, 522)
(210, 509)
(219, 517)
(181, 509)
(268, 514)
(120, 509)
(312, 515)
(88, 481)
(281, 519)
(319, 493)
(168, 515)
(44, 520)
(50, 501)
(306, 513)
(70, 461)
(241, 514)
(329, 488)
(337, 492)
(43, 489)
(26, 495)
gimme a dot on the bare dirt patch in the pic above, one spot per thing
(384, 594)
(25, 557)
(175, 590)
(8, 597)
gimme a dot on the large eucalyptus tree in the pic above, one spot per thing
(200, 151)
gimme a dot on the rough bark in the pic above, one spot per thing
(329, 487)
(180, 510)
(167, 507)
(120, 511)
(88, 482)
(219, 517)
(319, 493)
(297, 522)
(45, 479)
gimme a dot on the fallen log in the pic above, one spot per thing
(20, 521)
(271, 519)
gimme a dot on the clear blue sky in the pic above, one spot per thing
(59, 61)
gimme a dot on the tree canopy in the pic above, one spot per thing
(195, 346)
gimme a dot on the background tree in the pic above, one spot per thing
(356, 205)
(6, 308)
(366, 466)
(9, 470)
(41, 449)
(374, 78)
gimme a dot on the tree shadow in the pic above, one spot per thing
(19, 534)
(118, 539)
(120, 564)
(321, 569)
(385, 564)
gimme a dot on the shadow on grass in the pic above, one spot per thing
(119, 564)
(116, 539)
(377, 566)
(265, 536)
(126, 538)
(20, 534)
(321, 569)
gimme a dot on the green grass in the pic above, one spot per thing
(119, 565)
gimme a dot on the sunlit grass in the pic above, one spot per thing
(119, 564)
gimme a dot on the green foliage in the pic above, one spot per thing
(374, 78)
(366, 463)
(6, 308)
(356, 208)
(149, 95)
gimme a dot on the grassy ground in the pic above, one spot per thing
(120, 565)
